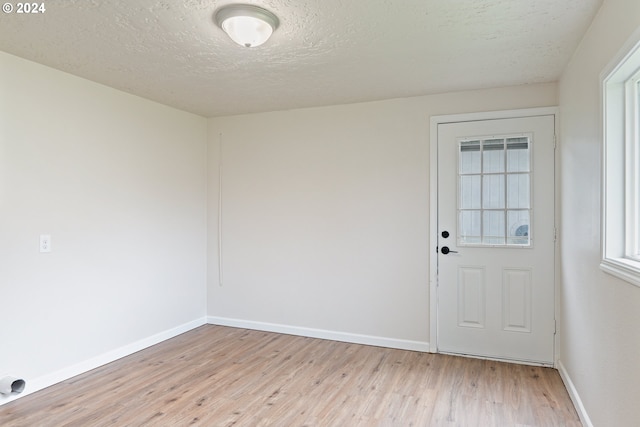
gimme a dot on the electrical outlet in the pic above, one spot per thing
(45, 243)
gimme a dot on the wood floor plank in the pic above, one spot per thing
(219, 376)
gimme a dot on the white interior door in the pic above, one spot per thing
(496, 238)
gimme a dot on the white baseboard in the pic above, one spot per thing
(322, 333)
(36, 384)
(573, 394)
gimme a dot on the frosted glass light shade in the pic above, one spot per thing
(247, 25)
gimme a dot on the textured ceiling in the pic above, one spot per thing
(324, 52)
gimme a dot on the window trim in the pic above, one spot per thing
(632, 173)
(619, 86)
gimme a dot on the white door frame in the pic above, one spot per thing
(433, 203)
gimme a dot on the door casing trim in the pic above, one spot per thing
(433, 202)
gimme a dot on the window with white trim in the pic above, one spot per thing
(494, 191)
(621, 174)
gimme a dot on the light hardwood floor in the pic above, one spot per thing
(219, 376)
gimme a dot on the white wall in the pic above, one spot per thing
(120, 184)
(600, 349)
(325, 214)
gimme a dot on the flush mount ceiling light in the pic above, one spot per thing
(247, 25)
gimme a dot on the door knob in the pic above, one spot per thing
(445, 250)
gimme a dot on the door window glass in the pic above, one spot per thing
(494, 191)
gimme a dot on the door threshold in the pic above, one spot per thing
(498, 359)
